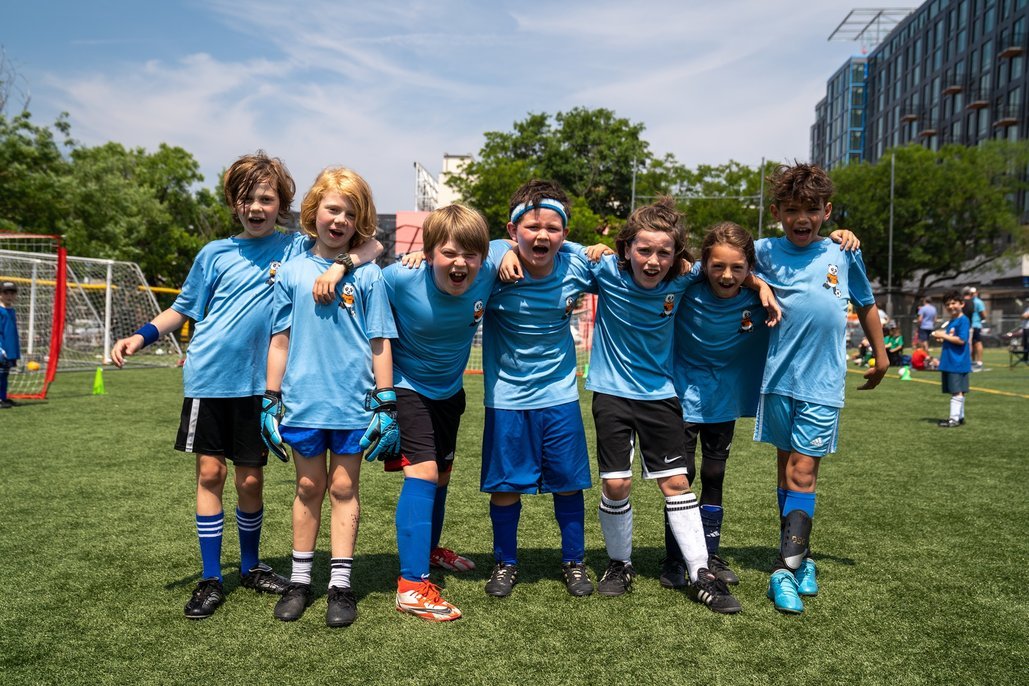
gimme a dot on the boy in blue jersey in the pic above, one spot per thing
(533, 439)
(803, 384)
(437, 308)
(10, 346)
(955, 360)
(634, 396)
(313, 347)
(228, 293)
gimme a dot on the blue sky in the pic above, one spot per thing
(378, 85)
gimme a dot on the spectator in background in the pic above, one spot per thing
(975, 310)
(926, 320)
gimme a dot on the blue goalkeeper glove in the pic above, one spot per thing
(272, 412)
(382, 439)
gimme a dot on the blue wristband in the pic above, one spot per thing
(149, 333)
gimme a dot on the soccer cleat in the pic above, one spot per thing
(673, 573)
(709, 590)
(445, 558)
(617, 578)
(342, 607)
(721, 569)
(577, 581)
(502, 580)
(422, 599)
(807, 583)
(782, 590)
(949, 423)
(293, 602)
(263, 579)
(206, 598)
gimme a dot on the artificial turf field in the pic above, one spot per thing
(921, 539)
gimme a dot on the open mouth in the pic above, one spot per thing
(255, 222)
(727, 284)
(540, 250)
(651, 272)
(458, 277)
(335, 233)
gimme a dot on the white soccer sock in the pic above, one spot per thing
(339, 572)
(684, 518)
(616, 523)
(957, 407)
(302, 563)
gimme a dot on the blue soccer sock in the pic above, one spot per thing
(414, 527)
(3, 383)
(780, 496)
(711, 518)
(439, 509)
(796, 500)
(505, 531)
(209, 531)
(570, 512)
(249, 525)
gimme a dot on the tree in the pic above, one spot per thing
(954, 210)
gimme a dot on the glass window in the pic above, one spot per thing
(857, 117)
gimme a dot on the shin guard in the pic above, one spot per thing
(794, 543)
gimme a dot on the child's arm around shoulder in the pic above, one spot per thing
(324, 291)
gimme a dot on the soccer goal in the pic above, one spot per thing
(70, 311)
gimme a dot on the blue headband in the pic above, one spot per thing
(544, 204)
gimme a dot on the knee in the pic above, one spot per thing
(250, 483)
(617, 489)
(211, 475)
(343, 491)
(309, 489)
(798, 480)
(674, 485)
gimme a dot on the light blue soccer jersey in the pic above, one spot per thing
(953, 357)
(329, 367)
(435, 329)
(528, 355)
(720, 350)
(632, 339)
(228, 293)
(807, 355)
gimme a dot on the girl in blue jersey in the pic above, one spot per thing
(229, 293)
(313, 348)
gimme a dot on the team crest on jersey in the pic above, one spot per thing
(669, 306)
(346, 298)
(832, 280)
(273, 269)
(746, 323)
(569, 306)
(478, 309)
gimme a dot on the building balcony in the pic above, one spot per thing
(978, 100)
(908, 116)
(1011, 45)
(927, 131)
(1006, 116)
(953, 89)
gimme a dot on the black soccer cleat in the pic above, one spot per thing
(263, 579)
(206, 598)
(712, 591)
(673, 573)
(293, 602)
(721, 569)
(617, 578)
(342, 607)
(502, 580)
(950, 423)
(577, 581)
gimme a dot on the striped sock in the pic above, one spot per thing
(684, 518)
(339, 572)
(249, 525)
(302, 563)
(209, 531)
(616, 523)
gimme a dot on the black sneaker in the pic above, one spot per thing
(342, 607)
(673, 573)
(948, 423)
(263, 579)
(502, 580)
(617, 578)
(577, 581)
(6, 404)
(207, 596)
(720, 568)
(712, 591)
(293, 602)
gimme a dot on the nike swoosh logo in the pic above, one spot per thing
(670, 460)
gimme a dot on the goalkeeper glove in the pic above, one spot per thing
(382, 439)
(272, 412)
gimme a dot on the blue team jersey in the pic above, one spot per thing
(9, 342)
(528, 355)
(329, 367)
(957, 358)
(632, 341)
(229, 293)
(807, 354)
(435, 329)
(720, 350)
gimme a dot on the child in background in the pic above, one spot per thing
(955, 358)
(229, 293)
(10, 346)
(894, 342)
(313, 347)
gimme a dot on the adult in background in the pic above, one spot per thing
(975, 310)
(926, 321)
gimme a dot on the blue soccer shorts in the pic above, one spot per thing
(795, 425)
(314, 442)
(535, 451)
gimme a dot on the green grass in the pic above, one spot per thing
(920, 538)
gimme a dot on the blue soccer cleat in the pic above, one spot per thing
(807, 584)
(782, 589)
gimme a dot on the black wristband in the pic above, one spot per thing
(344, 259)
